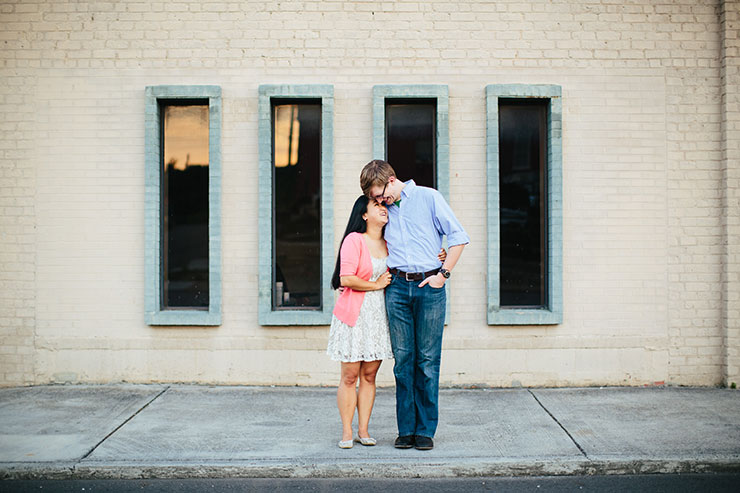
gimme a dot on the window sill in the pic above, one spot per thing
(524, 316)
(295, 317)
(184, 317)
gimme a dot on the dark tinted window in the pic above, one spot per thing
(411, 139)
(296, 138)
(185, 205)
(522, 185)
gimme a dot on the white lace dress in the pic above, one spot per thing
(369, 339)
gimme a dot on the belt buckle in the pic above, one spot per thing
(406, 275)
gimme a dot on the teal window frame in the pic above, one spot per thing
(155, 315)
(286, 316)
(553, 313)
(441, 93)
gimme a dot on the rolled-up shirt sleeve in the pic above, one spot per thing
(447, 223)
(349, 256)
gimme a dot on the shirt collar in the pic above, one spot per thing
(408, 189)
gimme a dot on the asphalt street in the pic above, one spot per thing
(671, 483)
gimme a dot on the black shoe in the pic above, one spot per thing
(406, 441)
(423, 443)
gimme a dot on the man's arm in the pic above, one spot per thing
(438, 280)
(453, 257)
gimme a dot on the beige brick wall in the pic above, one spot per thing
(17, 201)
(694, 199)
(644, 187)
(730, 30)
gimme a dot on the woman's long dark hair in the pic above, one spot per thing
(356, 224)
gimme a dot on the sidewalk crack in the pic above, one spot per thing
(559, 424)
(122, 425)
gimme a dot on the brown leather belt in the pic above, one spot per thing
(413, 276)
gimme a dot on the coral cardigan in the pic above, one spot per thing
(354, 261)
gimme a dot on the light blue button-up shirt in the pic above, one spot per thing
(415, 229)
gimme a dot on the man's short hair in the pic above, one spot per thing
(375, 173)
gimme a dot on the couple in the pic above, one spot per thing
(405, 322)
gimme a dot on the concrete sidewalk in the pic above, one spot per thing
(179, 431)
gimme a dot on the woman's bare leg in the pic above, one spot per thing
(347, 397)
(366, 395)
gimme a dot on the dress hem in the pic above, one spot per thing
(339, 360)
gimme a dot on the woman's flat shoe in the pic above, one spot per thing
(369, 441)
(345, 444)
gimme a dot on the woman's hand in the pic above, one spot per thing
(442, 255)
(383, 280)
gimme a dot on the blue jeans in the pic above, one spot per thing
(416, 319)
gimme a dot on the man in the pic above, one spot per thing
(415, 299)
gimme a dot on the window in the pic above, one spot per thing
(296, 186)
(296, 211)
(524, 204)
(183, 268)
(184, 204)
(523, 200)
(411, 139)
(411, 132)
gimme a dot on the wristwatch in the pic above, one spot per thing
(445, 273)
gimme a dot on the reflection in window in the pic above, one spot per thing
(185, 205)
(411, 141)
(296, 137)
(522, 186)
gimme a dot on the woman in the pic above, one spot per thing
(359, 335)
